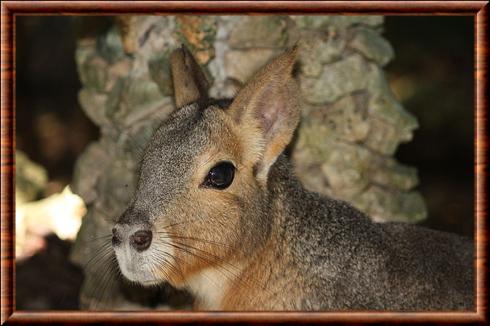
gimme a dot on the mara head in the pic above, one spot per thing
(202, 197)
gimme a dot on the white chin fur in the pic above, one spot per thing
(141, 267)
(137, 266)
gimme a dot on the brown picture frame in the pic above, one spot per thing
(9, 11)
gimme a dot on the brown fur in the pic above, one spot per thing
(188, 80)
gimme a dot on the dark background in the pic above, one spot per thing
(432, 74)
(434, 56)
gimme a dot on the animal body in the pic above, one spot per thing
(219, 211)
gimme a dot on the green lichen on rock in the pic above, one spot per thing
(336, 80)
(93, 72)
(114, 98)
(401, 206)
(241, 65)
(392, 174)
(159, 67)
(93, 103)
(90, 165)
(339, 21)
(320, 47)
(372, 45)
(385, 107)
(198, 34)
(353, 123)
(259, 32)
(110, 47)
(137, 96)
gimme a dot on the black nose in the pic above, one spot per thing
(141, 240)
(116, 237)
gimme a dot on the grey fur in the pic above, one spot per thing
(353, 263)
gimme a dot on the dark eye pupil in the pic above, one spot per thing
(220, 176)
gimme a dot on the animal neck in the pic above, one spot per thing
(285, 193)
(211, 285)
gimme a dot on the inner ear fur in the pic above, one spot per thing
(189, 81)
(267, 111)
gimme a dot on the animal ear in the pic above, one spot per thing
(267, 111)
(189, 81)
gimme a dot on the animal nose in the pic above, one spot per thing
(141, 240)
(116, 237)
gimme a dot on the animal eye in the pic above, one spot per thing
(220, 176)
